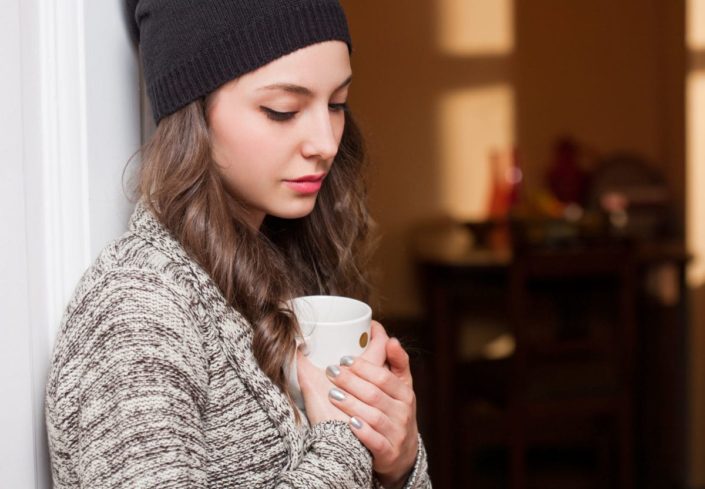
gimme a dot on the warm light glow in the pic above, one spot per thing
(696, 24)
(472, 124)
(476, 27)
(695, 177)
(695, 235)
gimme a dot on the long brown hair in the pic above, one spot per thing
(325, 252)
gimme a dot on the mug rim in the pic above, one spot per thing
(366, 315)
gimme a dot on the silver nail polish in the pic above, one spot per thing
(336, 394)
(356, 422)
(332, 371)
(347, 360)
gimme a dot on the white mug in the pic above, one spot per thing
(332, 327)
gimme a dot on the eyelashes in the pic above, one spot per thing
(285, 116)
(338, 107)
(277, 116)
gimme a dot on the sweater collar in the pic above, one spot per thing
(232, 331)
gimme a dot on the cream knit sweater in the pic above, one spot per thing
(153, 384)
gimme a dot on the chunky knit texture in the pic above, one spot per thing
(189, 48)
(153, 384)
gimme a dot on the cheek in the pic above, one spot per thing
(241, 143)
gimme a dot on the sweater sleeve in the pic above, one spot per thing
(335, 459)
(142, 390)
(418, 477)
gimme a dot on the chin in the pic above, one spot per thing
(295, 212)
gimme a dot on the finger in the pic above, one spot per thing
(398, 361)
(377, 443)
(370, 383)
(375, 418)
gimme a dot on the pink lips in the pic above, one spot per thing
(308, 184)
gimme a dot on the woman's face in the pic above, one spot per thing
(275, 130)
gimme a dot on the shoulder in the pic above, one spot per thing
(139, 265)
(128, 275)
(128, 297)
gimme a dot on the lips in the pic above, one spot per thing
(309, 184)
(309, 178)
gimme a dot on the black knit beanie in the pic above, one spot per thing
(191, 47)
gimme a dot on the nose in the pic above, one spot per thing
(323, 135)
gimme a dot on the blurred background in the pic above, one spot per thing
(536, 174)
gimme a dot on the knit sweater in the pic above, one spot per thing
(153, 384)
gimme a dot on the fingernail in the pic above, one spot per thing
(356, 422)
(332, 371)
(347, 360)
(336, 394)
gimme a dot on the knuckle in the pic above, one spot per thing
(376, 418)
(402, 413)
(382, 377)
(375, 397)
(410, 398)
(360, 366)
(379, 446)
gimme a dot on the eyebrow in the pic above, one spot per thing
(300, 90)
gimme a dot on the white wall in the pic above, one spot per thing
(70, 121)
(16, 447)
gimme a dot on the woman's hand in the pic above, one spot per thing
(315, 386)
(383, 406)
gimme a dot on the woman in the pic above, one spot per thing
(169, 366)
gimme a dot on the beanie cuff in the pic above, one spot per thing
(243, 50)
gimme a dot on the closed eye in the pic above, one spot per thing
(277, 116)
(285, 116)
(338, 107)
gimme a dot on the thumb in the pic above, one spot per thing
(301, 365)
(398, 360)
(377, 332)
(303, 369)
(376, 348)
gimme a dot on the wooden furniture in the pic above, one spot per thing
(603, 346)
(458, 279)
